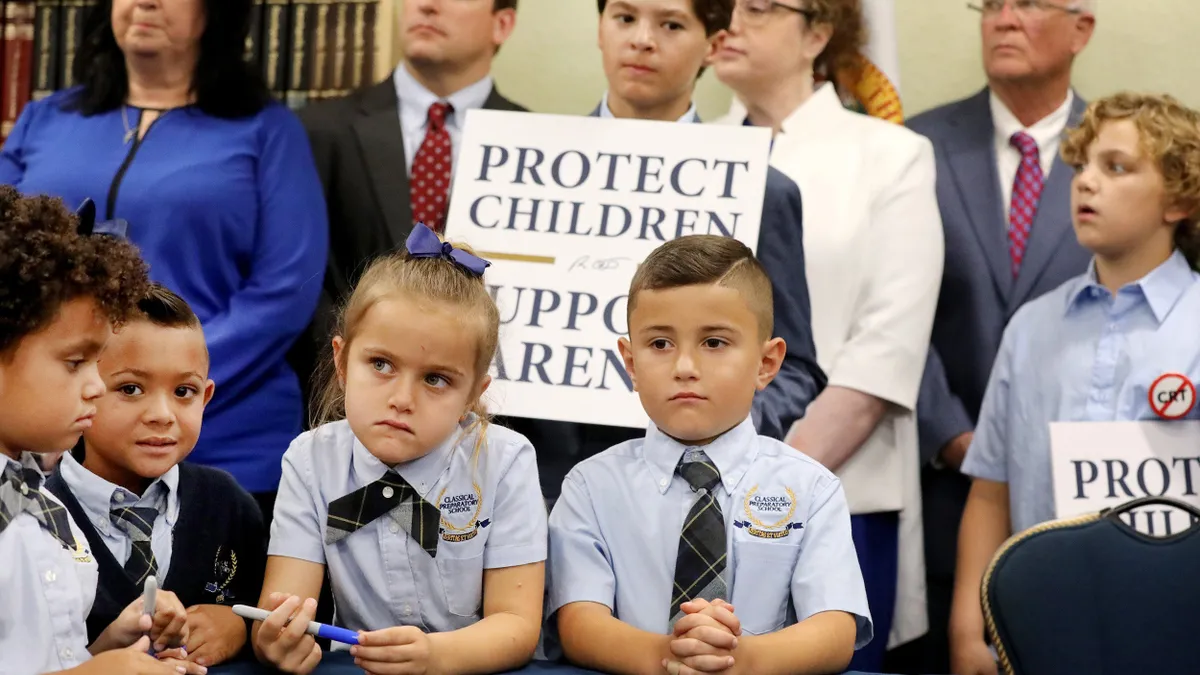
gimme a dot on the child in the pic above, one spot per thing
(429, 520)
(61, 294)
(145, 512)
(650, 532)
(1090, 350)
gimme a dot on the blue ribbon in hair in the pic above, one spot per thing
(88, 225)
(423, 243)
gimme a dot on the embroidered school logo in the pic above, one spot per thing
(224, 569)
(460, 515)
(769, 516)
(81, 554)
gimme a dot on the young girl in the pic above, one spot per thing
(1091, 349)
(430, 521)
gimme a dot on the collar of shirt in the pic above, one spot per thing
(1161, 288)
(97, 496)
(732, 452)
(415, 100)
(27, 460)
(424, 472)
(688, 117)
(1047, 132)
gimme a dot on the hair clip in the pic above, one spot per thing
(424, 243)
(88, 225)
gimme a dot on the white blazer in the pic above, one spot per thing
(874, 252)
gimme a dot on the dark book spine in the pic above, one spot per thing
(18, 61)
(254, 34)
(374, 23)
(299, 70)
(71, 33)
(45, 48)
(276, 46)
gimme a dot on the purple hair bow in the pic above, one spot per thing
(88, 224)
(423, 243)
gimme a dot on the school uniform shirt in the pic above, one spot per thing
(874, 254)
(46, 591)
(614, 533)
(209, 543)
(492, 516)
(1081, 354)
(98, 498)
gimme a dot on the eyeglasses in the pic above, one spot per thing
(1022, 8)
(756, 12)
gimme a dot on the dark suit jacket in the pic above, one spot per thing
(979, 294)
(561, 445)
(359, 151)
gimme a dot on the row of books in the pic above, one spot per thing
(308, 49)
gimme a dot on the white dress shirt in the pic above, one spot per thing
(415, 101)
(1046, 132)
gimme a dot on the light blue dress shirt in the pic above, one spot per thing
(691, 116)
(614, 533)
(415, 101)
(493, 516)
(46, 593)
(1081, 354)
(98, 497)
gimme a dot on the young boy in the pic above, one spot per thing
(61, 294)
(650, 537)
(1091, 349)
(653, 52)
(142, 510)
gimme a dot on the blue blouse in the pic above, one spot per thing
(229, 213)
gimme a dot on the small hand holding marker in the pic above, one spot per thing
(704, 638)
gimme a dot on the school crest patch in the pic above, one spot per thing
(769, 514)
(225, 564)
(460, 515)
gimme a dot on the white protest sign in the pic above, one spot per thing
(565, 208)
(1097, 465)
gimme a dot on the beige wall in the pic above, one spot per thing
(551, 64)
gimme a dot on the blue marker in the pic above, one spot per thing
(343, 635)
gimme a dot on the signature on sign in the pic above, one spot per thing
(596, 264)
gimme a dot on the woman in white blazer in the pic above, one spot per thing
(873, 247)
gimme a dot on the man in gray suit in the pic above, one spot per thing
(1004, 247)
(652, 51)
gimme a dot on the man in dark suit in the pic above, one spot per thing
(652, 51)
(1004, 194)
(373, 146)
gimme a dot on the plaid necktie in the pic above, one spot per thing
(137, 522)
(390, 494)
(700, 566)
(1027, 191)
(429, 181)
(19, 493)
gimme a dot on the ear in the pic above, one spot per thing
(483, 386)
(503, 24)
(210, 388)
(626, 349)
(1085, 25)
(816, 39)
(1176, 213)
(338, 346)
(773, 351)
(714, 46)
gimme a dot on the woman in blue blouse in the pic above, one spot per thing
(174, 133)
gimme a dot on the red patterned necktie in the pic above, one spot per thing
(1027, 190)
(429, 181)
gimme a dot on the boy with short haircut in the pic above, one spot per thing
(62, 292)
(651, 537)
(1091, 349)
(144, 512)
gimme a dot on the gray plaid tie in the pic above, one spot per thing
(137, 522)
(19, 493)
(700, 565)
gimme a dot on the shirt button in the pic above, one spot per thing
(67, 654)
(388, 492)
(119, 497)
(662, 483)
(408, 609)
(394, 527)
(51, 576)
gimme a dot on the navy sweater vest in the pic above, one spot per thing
(218, 555)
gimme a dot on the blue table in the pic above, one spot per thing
(341, 663)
